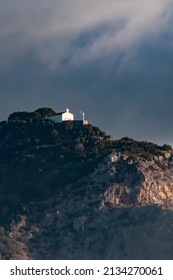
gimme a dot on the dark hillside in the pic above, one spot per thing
(43, 165)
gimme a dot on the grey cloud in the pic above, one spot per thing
(50, 27)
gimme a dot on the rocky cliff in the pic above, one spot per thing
(83, 196)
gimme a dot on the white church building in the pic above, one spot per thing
(62, 116)
(67, 116)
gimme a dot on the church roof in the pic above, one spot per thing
(60, 113)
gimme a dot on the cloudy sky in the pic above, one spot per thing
(113, 59)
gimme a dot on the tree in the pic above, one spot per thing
(45, 111)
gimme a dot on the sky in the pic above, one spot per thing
(112, 59)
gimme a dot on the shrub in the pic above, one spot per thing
(166, 147)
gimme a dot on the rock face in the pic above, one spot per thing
(142, 183)
(122, 210)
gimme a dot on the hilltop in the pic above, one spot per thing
(69, 191)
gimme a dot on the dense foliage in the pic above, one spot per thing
(45, 111)
(140, 148)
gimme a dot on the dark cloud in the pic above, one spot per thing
(115, 66)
